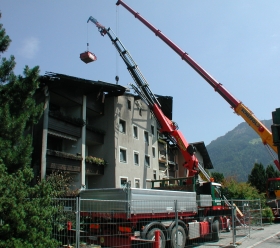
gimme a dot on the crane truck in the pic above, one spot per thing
(132, 221)
(238, 106)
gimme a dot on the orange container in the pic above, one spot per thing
(88, 57)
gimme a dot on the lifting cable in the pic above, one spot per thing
(87, 37)
(272, 155)
(117, 54)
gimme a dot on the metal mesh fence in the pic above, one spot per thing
(66, 220)
(248, 218)
(133, 223)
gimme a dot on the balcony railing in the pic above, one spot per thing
(57, 160)
(94, 169)
(94, 135)
(94, 165)
(65, 124)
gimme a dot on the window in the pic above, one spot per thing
(161, 166)
(155, 174)
(54, 107)
(154, 152)
(152, 130)
(146, 137)
(123, 155)
(136, 158)
(122, 126)
(123, 182)
(147, 161)
(55, 143)
(129, 104)
(135, 132)
(140, 112)
(137, 183)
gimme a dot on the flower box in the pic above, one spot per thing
(63, 161)
(94, 169)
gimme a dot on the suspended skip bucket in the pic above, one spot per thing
(88, 57)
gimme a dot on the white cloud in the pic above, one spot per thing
(30, 47)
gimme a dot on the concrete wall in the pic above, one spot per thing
(106, 151)
(128, 142)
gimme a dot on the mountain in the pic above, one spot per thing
(235, 153)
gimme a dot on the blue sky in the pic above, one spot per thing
(237, 42)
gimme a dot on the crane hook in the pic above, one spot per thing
(117, 79)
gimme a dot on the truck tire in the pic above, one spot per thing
(182, 237)
(151, 236)
(215, 231)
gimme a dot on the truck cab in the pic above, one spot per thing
(211, 189)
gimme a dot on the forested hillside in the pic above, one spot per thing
(235, 153)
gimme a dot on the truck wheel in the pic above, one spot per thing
(151, 236)
(181, 237)
(215, 231)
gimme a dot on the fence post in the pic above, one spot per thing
(249, 205)
(77, 221)
(157, 239)
(176, 221)
(233, 222)
(259, 201)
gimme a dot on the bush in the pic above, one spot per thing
(268, 214)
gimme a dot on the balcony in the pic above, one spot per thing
(94, 169)
(65, 124)
(94, 136)
(94, 165)
(95, 107)
(63, 161)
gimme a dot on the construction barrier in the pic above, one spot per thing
(88, 223)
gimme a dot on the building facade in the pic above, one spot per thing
(101, 134)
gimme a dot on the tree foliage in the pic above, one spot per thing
(18, 109)
(18, 113)
(258, 177)
(25, 211)
(218, 177)
(236, 190)
(271, 172)
(4, 38)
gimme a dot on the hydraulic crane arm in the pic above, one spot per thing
(168, 127)
(238, 106)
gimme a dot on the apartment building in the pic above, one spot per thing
(102, 134)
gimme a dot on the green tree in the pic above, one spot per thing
(218, 177)
(25, 211)
(271, 172)
(258, 177)
(235, 190)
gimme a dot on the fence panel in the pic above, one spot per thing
(133, 223)
(65, 221)
(248, 217)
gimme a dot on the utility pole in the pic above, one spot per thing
(275, 128)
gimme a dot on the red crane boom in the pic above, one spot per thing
(168, 127)
(237, 105)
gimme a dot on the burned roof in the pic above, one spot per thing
(166, 103)
(200, 146)
(56, 80)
